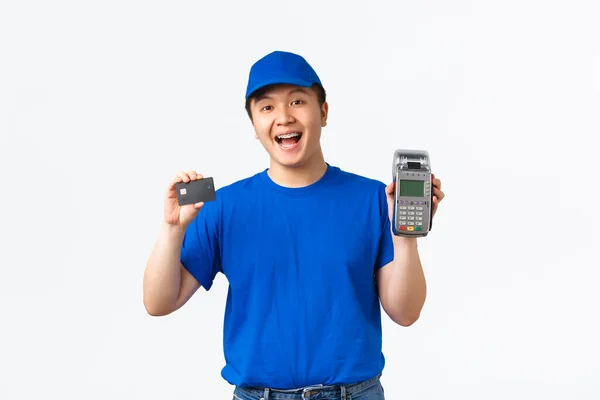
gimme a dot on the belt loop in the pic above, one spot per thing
(343, 392)
(265, 394)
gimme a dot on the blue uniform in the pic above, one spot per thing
(302, 306)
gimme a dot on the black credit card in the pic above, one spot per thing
(196, 191)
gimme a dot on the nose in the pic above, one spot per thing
(284, 116)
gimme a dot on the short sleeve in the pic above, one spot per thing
(386, 244)
(200, 251)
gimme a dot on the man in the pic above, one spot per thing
(306, 247)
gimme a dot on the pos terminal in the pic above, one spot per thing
(413, 197)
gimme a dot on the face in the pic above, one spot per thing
(287, 121)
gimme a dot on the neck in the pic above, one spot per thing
(302, 175)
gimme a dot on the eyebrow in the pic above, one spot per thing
(294, 90)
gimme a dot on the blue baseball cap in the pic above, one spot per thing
(281, 67)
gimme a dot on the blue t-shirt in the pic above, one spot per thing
(302, 306)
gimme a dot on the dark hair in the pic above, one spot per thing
(321, 96)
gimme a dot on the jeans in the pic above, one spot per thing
(367, 390)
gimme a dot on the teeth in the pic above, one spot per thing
(289, 135)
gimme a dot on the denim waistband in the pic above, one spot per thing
(325, 391)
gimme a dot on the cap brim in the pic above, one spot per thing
(280, 81)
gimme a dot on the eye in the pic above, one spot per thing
(296, 102)
(266, 108)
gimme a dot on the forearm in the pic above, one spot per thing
(162, 277)
(405, 286)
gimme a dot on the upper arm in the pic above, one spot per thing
(200, 251)
(187, 287)
(383, 277)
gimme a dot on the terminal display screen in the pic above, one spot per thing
(412, 188)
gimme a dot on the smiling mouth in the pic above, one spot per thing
(288, 139)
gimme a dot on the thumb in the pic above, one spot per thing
(192, 209)
(389, 189)
(195, 209)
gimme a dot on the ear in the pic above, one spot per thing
(324, 114)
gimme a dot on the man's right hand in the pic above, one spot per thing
(175, 214)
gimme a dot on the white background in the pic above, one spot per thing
(102, 102)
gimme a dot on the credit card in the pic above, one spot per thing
(192, 192)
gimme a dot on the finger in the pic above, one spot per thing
(194, 175)
(173, 182)
(178, 178)
(439, 194)
(198, 205)
(183, 176)
(389, 189)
